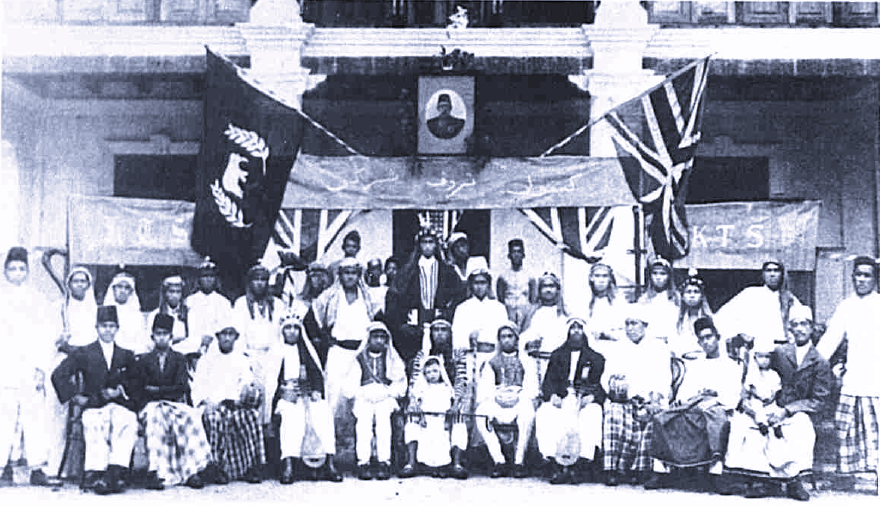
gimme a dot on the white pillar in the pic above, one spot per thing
(275, 38)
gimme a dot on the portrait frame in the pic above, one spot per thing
(436, 135)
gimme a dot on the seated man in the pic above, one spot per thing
(176, 443)
(109, 420)
(806, 387)
(572, 407)
(507, 391)
(454, 364)
(225, 388)
(710, 390)
(638, 381)
(376, 380)
(307, 429)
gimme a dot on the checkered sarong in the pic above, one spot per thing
(236, 439)
(856, 422)
(176, 442)
(626, 440)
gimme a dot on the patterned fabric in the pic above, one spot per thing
(508, 370)
(857, 431)
(627, 441)
(236, 439)
(176, 442)
(372, 367)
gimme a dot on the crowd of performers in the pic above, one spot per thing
(612, 391)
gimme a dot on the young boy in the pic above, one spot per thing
(307, 428)
(760, 388)
(375, 382)
(176, 443)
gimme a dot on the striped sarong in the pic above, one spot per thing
(627, 441)
(856, 422)
(236, 439)
(176, 442)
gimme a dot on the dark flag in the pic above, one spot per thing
(249, 145)
(656, 135)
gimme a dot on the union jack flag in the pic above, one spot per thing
(582, 232)
(656, 135)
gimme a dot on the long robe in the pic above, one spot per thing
(259, 335)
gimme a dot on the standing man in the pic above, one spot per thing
(109, 419)
(544, 329)
(785, 453)
(857, 319)
(516, 288)
(759, 313)
(207, 307)
(122, 293)
(172, 303)
(573, 398)
(351, 246)
(426, 289)
(373, 279)
(477, 319)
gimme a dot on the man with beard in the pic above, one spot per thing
(573, 398)
(857, 319)
(207, 307)
(759, 313)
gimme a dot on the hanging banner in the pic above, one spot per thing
(743, 235)
(112, 230)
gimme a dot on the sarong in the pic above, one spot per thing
(176, 442)
(856, 422)
(626, 439)
(236, 439)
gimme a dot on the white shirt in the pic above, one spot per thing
(646, 366)
(257, 333)
(351, 319)
(721, 374)
(800, 352)
(107, 348)
(575, 356)
(755, 312)
(858, 320)
(220, 376)
(662, 315)
(548, 326)
(483, 316)
(206, 312)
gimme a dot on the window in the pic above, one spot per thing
(169, 177)
(729, 179)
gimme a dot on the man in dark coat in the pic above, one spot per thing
(109, 419)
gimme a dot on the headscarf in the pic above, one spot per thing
(420, 383)
(327, 304)
(132, 332)
(254, 273)
(610, 293)
(549, 277)
(693, 279)
(81, 313)
(291, 318)
(651, 292)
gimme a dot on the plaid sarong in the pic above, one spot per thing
(856, 422)
(627, 441)
(176, 442)
(236, 439)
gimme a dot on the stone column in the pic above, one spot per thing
(275, 38)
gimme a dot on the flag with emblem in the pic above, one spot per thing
(656, 135)
(249, 144)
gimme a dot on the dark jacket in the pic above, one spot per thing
(89, 361)
(173, 382)
(559, 369)
(805, 388)
(314, 379)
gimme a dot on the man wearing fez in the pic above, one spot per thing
(109, 419)
(426, 289)
(445, 125)
(176, 443)
(857, 319)
(573, 400)
(516, 287)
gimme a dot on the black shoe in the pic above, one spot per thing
(384, 471)
(102, 488)
(195, 482)
(520, 471)
(796, 490)
(330, 472)
(220, 477)
(777, 431)
(89, 478)
(253, 476)
(612, 478)
(39, 479)
(459, 472)
(720, 484)
(407, 471)
(498, 470)
(655, 482)
(561, 476)
(364, 472)
(286, 471)
(756, 490)
(153, 482)
(6, 479)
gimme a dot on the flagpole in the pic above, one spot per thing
(592, 122)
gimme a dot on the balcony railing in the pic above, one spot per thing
(130, 12)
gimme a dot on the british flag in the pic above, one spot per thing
(656, 136)
(582, 232)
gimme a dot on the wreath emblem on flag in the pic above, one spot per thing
(228, 191)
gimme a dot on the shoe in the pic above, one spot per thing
(286, 471)
(101, 488)
(384, 471)
(364, 472)
(520, 471)
(777, 431)
(796, 490)
(721, 485)
(220, 477)
(153, 482)
(561, 476)
(655, 482)
(407, 471)
(442, 473)
(253, 476)
(459, 472)
(498, 470)
(612, 478)
(756, 490)
(330, 472)
(6, 479)
(39, 479)
(89, 478)
(195, 482)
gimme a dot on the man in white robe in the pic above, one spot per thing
(122, 293)
(207, 307)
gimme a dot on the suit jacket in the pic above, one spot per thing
(805, 388)
(173, 381)
(89, 361)
(559, 370)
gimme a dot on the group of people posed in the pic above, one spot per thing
(612, 391)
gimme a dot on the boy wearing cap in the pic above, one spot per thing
(160, 387)
(516, 288)
(376, 380)
(207, 306)
(806, 387)
(222, 381)
(857, 319)
(109, 419)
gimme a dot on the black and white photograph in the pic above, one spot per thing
(438, 251)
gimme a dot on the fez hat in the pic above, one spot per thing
(16, 253)
(704, 323)
(107, 314)
(163, 321)
(444, 99)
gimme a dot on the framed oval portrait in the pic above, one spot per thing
(446, 106)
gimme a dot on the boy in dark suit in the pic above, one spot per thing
(161, 387)
(109, 419)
